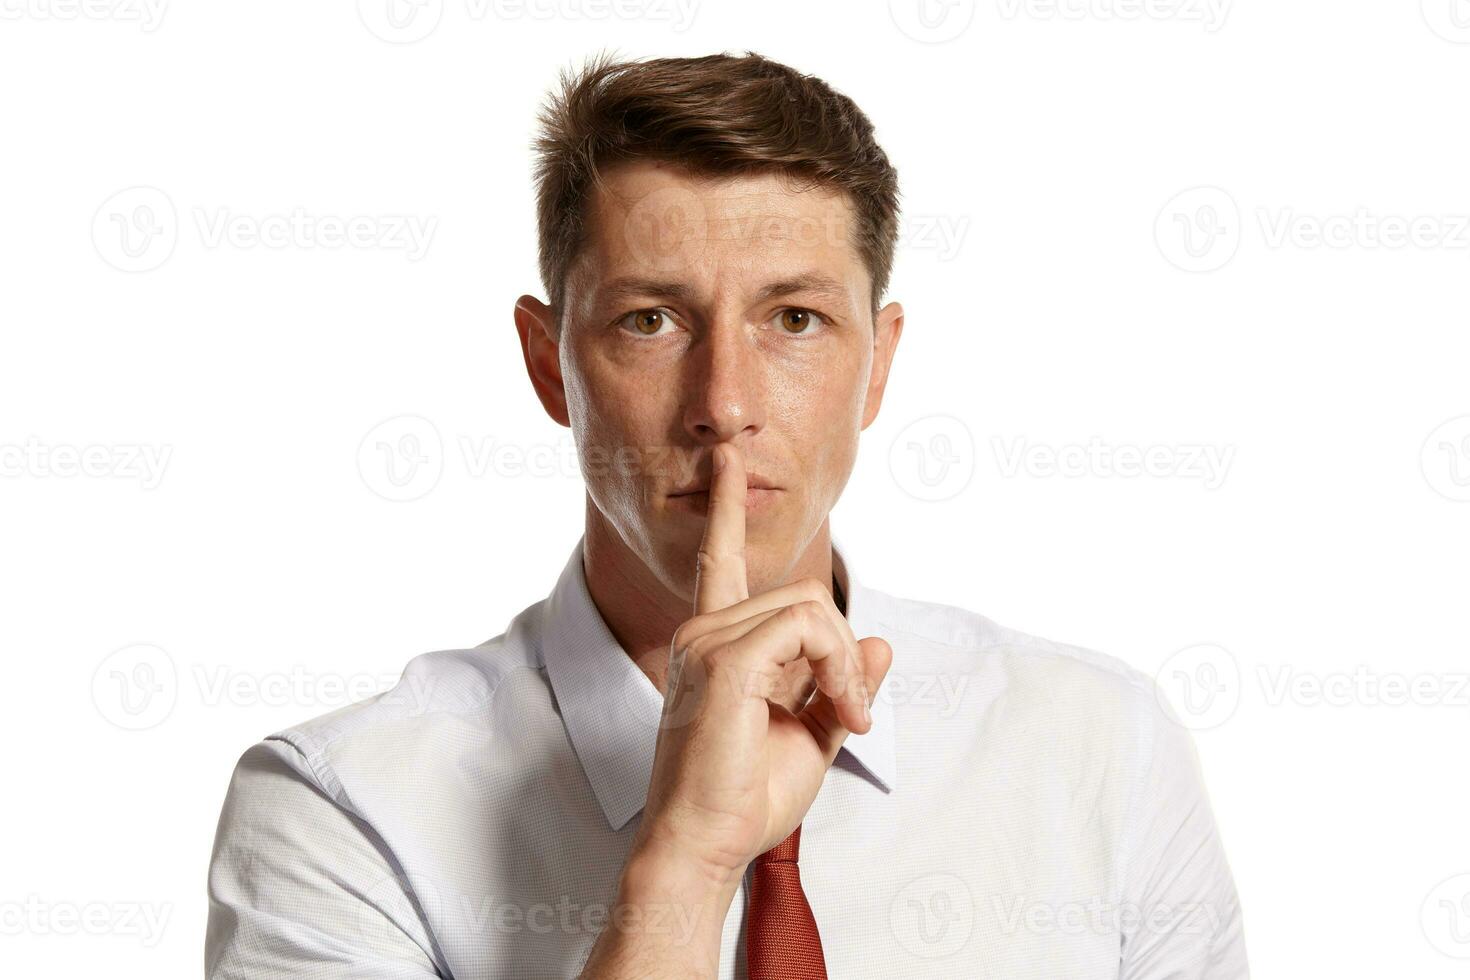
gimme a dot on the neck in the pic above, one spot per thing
(642, 611)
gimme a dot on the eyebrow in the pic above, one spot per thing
(804, 282)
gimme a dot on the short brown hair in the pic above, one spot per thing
(716, 116)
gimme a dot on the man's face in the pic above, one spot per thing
(706, 311)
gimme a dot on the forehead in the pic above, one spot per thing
(656, 221)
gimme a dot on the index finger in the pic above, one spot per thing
(719, 576)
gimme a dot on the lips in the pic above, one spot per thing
(753, 481)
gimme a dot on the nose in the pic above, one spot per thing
(727, 398)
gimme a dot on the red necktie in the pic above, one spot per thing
(781, 938)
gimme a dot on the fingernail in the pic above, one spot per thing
(719, 459)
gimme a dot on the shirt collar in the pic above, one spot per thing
(611, 709)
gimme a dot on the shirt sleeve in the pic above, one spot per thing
(301, 888)
(1181, 916)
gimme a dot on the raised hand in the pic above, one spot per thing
(735, 771)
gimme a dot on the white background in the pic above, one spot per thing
(1198, 230)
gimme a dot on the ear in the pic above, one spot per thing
(887, 328)
(536, 323)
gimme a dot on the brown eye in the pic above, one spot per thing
(798, 321)
(646, 323)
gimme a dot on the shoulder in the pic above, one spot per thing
(441, 694)
(969, 639)
(1037, 685)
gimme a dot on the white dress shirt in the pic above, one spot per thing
(1019, 809)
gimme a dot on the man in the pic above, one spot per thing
(712, 751)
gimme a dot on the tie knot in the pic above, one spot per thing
(784, 852)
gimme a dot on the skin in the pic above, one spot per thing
(671, 343)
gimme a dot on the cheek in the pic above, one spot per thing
(821, 411)
(614, 418)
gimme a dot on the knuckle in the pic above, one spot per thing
(714, 658)
(798, 613)
(687, 632)
(697, 648)
(707, 558)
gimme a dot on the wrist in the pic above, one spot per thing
(657, 868)
(668, 920)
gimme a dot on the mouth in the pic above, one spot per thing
(753, 481)
(759, 493)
